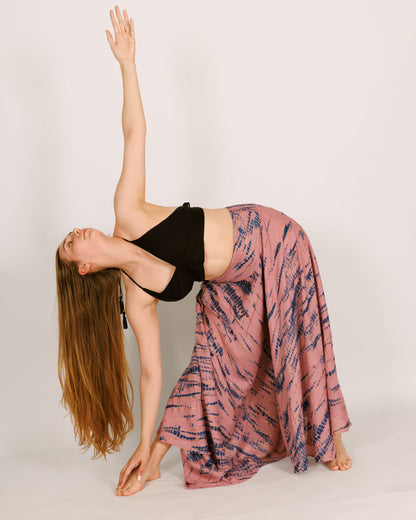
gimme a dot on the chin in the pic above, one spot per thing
(93, 231)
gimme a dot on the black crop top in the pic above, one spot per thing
(178, 240)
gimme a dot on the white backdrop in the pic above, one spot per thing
(308, 107)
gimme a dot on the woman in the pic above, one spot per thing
(261, 384)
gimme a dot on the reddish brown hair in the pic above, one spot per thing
(92, 366)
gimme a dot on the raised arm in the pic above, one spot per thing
(130, 191)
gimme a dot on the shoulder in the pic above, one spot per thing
(134, 221)
(129, 220)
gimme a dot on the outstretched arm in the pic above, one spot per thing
(132, 117)
(143, 319)
(130, 192)
(124, 47)
(141, 310)
(145, 324)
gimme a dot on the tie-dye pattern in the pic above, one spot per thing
(262, 383)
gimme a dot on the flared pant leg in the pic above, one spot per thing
(261, 384)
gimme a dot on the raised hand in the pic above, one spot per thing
(124, 44)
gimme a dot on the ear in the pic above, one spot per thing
(84, 268)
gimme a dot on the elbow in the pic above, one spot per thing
(150, 375)
(137, 129)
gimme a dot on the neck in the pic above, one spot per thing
(122, 255)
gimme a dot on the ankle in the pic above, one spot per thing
(158, 452)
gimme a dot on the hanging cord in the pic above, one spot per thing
(125, 326)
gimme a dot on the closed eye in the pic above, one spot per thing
(68, 241)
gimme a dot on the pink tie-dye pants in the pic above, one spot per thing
(262, 383)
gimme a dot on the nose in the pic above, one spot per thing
(76, 231)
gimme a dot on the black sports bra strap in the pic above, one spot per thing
(150, 291)
(132, 279)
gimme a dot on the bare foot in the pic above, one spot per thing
(342, 461)
(134, 485)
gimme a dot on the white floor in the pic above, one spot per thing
(381, 484)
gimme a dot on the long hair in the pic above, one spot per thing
(92, 366)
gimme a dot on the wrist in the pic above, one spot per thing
(145, 442)
(127, 64)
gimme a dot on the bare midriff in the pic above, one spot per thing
(218, 242)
